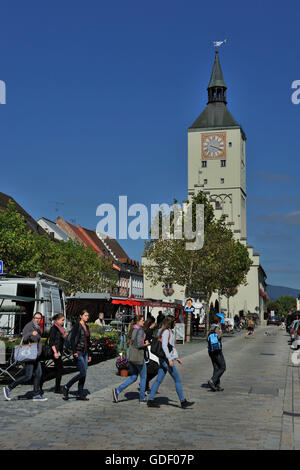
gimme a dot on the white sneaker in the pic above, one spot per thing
(6, 393)
(39, 398)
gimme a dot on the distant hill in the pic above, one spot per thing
(277, 291)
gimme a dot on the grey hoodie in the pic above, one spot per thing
(27, 335)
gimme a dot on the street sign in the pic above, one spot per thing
(1, 267)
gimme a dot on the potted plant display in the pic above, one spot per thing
(123, 366)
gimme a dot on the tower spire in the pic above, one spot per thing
(217, 87)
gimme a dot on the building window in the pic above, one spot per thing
(218, 205)
(204, 164)
(223, 163)
(222, 180)
(230, 144)
(205, 181)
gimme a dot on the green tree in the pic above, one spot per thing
(25, 253)
(220, 264)
(17, 243)
(273, 306)
(79, 265)
(285, 304)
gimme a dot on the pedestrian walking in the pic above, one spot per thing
(214, 341)
(236, 319)
(152, 361)
(31, 334)
(160, 319)
(136, 342)
(250, 329)
(57, 337)
(166, 364)
(80, 344)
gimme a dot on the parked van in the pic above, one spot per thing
(26, 296)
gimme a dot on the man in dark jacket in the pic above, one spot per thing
(31, 334)
(214, 340)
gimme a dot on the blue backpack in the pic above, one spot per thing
(214, 343)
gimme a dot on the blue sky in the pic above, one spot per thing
(100, 96)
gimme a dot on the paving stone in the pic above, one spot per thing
(233, 419)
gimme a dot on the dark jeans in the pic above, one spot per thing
(59, 367)
(82, 365)
(219, 366)
(30, 369)
(58, 371)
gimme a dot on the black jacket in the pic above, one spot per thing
(78, 339)
(56, 339)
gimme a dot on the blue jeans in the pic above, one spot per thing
(30, 368)
(135, 371)
(82, 365)
(163, 369)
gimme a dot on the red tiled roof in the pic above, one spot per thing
(91, 239)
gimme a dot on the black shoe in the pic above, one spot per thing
(152, 404)
(185, 403)
(65, 392)
(219, 388)
(212, 385)
(59, 391)
(82, 398)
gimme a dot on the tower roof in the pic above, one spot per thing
(216, 79)
(216, 114)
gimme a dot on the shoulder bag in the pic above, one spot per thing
(136, 355)
(25, 352)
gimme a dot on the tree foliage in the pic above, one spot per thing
(222, 263)
(25, 253)
(282, 305)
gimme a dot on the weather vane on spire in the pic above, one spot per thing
(219, 43)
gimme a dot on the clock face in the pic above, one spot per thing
(213, 146)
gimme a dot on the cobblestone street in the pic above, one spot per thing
(259, 408)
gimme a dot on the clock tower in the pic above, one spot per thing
(217, 167)
(216, 156)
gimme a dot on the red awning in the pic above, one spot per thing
(146, 303)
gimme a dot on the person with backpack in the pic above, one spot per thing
(30, 334)
(80, 344)
(152, 361)
(214, 342)
(166, 364)
(136, 355)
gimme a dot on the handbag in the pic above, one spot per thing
(25, 352)
(136, 356)
(47, 350)
(157, 349)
